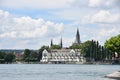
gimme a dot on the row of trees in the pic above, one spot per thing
(95, 52)
(7, 58)
(28, 56)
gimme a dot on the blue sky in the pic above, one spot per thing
(33, 23)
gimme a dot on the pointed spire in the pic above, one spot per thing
(61, 44)
(77, 41)
(51, 43)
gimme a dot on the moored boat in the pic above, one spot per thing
(115, 75)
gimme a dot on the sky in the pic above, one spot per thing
(33, 23)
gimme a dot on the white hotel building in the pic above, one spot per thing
(62, 56)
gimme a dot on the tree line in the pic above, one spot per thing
(6, 58)
(93, 51)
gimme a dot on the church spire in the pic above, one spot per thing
(77, 40)
(61, 44)
(51, 43)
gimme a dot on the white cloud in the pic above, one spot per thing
(4, 14)
(104, 33)
(102, 17)
(106, 17)
(26, 27)
(99, 33)
(8, 34)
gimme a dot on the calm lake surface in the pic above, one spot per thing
(55, 71)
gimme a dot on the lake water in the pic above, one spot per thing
(55, 71)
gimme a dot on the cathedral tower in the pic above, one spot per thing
(61, 44)
(77, 40)
(51, 43)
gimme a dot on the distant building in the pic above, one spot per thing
(64, 55)
(19, 55)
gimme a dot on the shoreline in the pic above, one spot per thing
(86, 63)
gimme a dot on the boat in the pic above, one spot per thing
(114, 75)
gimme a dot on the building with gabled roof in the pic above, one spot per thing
(62, 56)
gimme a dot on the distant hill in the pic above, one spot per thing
(14, 50)
(11, 50)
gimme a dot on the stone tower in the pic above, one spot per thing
(77, 40)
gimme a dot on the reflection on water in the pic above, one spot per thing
(55, 71)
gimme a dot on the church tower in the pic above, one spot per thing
(51, 43)
(77, 40)
(61, 44)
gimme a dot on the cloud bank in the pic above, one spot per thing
(25, 30)
(32, 23)
(26, 27)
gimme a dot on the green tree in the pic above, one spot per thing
(2, 56)
(9, 58)
(85, 49)
(100, 52)
(75, 46)
(41, 50)
(55, 47)
(113, 44)
(97, 51)
(33, 56)
(93, 51)
(26, 55)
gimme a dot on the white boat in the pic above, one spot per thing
(115, 75)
